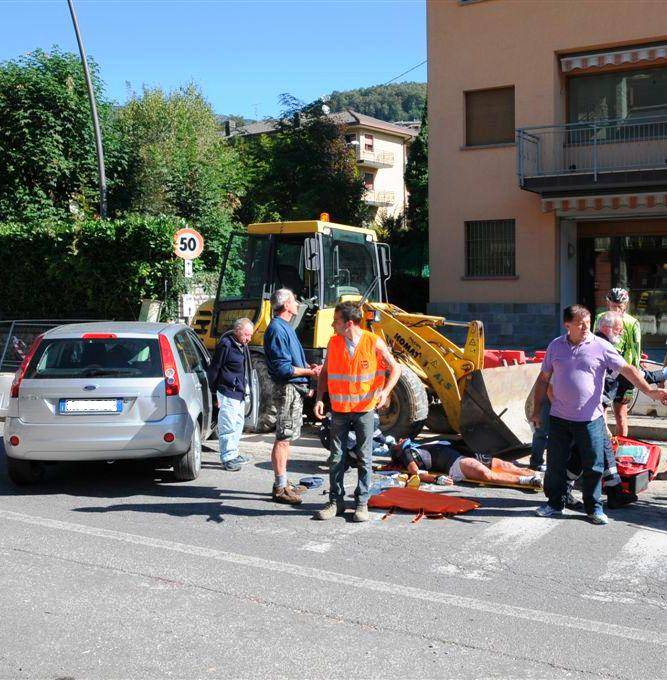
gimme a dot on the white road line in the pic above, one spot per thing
(391, 589)
(501, 543)
(317, 547)
(643, 557)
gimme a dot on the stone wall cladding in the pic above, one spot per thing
(527, 326)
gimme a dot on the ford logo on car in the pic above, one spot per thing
(90, 388)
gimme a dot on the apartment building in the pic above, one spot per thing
(547, 161)
(381, 149)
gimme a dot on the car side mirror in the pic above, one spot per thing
(311, 254)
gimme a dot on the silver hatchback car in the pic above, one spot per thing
(110, 391)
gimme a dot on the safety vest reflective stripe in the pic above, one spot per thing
(364, 377)
(354, 398)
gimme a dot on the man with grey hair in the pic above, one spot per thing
(229, 379)
(290, 373)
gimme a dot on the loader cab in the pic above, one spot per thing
(322, 263)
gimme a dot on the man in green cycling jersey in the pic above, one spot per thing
(629, 347)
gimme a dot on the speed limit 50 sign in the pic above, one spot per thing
(188, 244)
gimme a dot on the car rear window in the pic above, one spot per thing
(87, 358)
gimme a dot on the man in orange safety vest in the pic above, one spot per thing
(355, 375)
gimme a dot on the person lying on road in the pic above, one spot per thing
(435, 460)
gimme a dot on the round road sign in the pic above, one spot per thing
(188, 244)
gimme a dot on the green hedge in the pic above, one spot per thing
(93, 268)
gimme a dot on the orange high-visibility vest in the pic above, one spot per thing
(354, 382)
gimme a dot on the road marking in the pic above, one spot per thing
(499, 544)
(643, 557)
(371, 585)
(317, 547)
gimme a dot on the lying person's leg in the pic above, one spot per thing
(506, 466)
(476, 471)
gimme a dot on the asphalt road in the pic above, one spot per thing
(113, 571)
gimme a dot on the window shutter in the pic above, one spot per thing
(490, 116)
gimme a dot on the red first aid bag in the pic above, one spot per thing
(634, 475)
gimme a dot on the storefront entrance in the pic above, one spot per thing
(633, 255)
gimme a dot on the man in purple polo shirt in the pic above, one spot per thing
(575, 365)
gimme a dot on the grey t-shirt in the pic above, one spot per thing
(351, 346)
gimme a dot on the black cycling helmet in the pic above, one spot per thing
(619, 296)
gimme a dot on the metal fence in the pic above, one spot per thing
(380, 197)
(382, 158)
(592, 148)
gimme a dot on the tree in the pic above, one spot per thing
(416, 181)
(179, 164)
(47, 146)
(177, 161)
(408, 234)
(302, 169)
(398, 101)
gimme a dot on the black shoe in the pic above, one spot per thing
(616, 498)
(571, 503)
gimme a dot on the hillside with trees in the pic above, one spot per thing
(398, 101)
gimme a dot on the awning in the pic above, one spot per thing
(607, 203)
(630, 55)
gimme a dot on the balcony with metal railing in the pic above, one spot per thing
(380, 198)
(601, 155)
(375, 159)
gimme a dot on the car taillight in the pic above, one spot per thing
(20, 374)
(169, 367)
(14, 440)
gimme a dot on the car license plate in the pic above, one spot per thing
(79, 406)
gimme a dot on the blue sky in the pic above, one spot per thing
(242, 54)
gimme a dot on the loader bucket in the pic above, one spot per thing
(493, 408)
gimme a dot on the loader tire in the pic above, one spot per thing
(437, 420)
(264, 418)
(407, 410)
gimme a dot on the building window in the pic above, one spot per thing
(368, 146)
(490, 116)
(490, 248)
(369, 180)
(350, 138)
(627, 95)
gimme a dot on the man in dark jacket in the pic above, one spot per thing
(289, 372)
(229, 378)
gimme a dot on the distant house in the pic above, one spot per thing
(381, 149)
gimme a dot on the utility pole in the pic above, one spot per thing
(93, 112)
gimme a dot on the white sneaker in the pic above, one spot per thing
(598, 517)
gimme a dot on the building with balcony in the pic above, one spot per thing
(547, 162)
(381, 149)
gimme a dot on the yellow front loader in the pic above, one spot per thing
(443, 386)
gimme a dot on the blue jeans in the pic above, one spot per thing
(540, 436)
(363, 426)
(231, 417)
(589, 438)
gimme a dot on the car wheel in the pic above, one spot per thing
(23, 472)
(188, 465)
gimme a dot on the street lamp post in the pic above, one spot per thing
(93, 111)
